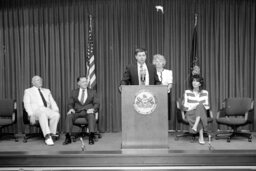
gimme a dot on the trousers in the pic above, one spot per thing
(90, 117)
(48, 120)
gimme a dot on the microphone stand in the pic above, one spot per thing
(82, 142)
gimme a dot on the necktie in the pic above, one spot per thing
(82, 97)
(42, 96)
(142, 75)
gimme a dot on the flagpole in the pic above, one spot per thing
(90, 29)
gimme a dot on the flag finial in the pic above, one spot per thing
(196, 15)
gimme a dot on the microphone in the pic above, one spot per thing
(143, 75)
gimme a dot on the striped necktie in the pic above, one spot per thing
(42, 96)
(82, 97)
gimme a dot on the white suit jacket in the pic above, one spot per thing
(33, 101)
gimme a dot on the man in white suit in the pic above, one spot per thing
(40, 105)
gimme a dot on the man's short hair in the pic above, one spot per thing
(140, 50)
(79, 78)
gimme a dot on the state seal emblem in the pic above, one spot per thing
(145, 102)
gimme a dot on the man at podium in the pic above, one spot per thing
(144, 108)
(140, 73)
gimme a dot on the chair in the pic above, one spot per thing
(181, 118)
(235, 112)
(8, 116)
(82, 123)
(30, 126)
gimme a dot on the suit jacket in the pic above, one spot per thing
(33, 101)
(130, 76)
(92, 101)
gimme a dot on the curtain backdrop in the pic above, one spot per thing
(49, 38)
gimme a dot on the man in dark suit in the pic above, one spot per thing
(140, 73)
(83, 103)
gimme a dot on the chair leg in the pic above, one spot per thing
(9, 136)
(222, 134)
(83, 133)
(242, 134)
(186, 134)
(229, 135)
(32, 135)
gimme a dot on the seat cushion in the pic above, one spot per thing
(5, 121)
(232, 120)
(237, 106)
(7, 107)
(80, 121)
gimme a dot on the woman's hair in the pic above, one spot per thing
(199, 79)
(160, 58)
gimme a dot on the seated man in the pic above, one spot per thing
(83, 103)
(40, 105)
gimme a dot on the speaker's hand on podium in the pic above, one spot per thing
(169, 87)
(120, 88)
(71, 111)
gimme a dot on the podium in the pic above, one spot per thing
(144, 117)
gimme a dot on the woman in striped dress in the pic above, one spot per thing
(196, 103)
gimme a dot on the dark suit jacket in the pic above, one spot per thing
(92, 101)
(130, 76)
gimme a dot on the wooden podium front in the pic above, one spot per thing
(144, 117)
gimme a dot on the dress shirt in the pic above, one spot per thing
(165, 76)
(80, 94)
(144, 66)
(192, 99)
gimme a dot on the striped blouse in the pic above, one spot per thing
(192, 99)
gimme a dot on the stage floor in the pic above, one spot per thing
(107, 153)
(112, 142)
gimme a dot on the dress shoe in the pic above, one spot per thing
(55, 137)
(48, 140)
(91, 138)
(91, 141)
(67, 140)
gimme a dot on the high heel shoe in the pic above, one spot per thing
(194, 130)
(202, 142)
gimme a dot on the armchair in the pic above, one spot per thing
(8, 116)
(29, 127)
(181, 118)
(82, 123)
(235, 112)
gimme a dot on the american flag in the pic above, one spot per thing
(90, 56)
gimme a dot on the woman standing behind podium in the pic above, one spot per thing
(165, 76)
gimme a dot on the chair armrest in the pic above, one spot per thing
(14, 116)
(14, 113)
(220, 113)
(251, 115)
(180, 111)
(246, 116)
(209, 113)
(96, 116)
(183, 114)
